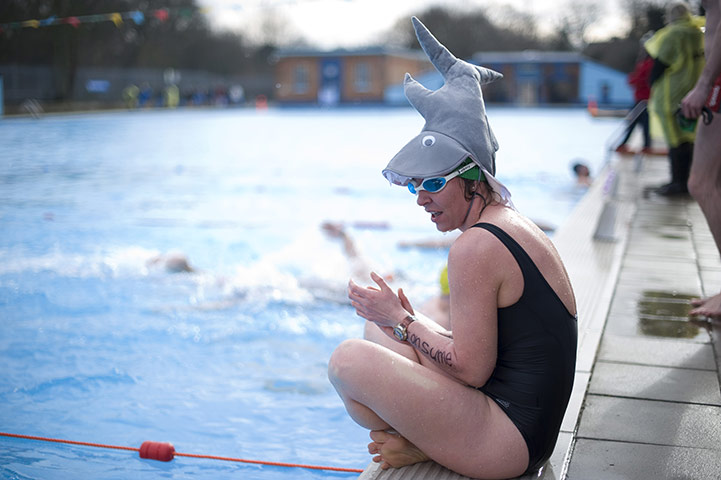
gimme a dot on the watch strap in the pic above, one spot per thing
(401, 329)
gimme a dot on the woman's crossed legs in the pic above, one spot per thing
(386, 390)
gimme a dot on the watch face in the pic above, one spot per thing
(399, 332)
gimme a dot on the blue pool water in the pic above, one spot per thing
(99, 344)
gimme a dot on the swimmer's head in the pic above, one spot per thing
(456, 125)
(581, 169)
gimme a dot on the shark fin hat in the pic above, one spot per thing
(456, 125)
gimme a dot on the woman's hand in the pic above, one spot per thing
(379, 305)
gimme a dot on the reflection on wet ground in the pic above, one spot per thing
(665, 314)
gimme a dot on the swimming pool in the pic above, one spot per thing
(99, 343)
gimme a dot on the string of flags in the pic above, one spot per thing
(118, 18)
(136, 16)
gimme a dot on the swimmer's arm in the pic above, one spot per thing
(434, 342)
(435, 324)
(382, 306)
(446, 351)
(469, 352)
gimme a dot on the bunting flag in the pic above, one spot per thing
(136, 16)
(117, 19)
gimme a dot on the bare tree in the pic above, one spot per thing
(272, 28)
(509, 18)
(466, 32)
(645, 15)
(577, 17)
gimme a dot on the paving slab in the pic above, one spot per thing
(666, 265)
(606, 460)
(662, 249)
(711, 279)
(659, 352)
(657, 279)
(652, 422)
(655, 383)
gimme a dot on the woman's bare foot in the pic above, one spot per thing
(709, 307)
(697, 302)
(393, 450)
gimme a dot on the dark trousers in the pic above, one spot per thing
(641, 119)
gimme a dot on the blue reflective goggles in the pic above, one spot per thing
(436, 184)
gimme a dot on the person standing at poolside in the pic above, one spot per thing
(677, 50)
(483, 393)
(638, 79)
(705, 180)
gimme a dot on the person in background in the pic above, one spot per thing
(583, 174)
(436, 307)
(677, 50)
(171, 262)
(359, 265)
(705, 180)
(638, 79)
(130, 96)
(484, 393)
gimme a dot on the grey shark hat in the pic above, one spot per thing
(456, 125)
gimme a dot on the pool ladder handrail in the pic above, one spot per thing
(606, 225)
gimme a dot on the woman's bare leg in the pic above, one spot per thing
(453, 424)
(705, 186)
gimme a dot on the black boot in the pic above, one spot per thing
(685, 157)
(680, 158)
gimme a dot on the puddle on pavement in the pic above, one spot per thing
(665, 314)
(672, 236)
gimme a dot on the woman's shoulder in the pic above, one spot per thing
(520, 229)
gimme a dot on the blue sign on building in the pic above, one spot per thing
(329, 93)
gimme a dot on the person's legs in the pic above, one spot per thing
(629, 131)
(453, 424)
(680, 161)
(643, 119)
(705, 186)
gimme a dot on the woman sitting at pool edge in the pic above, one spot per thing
(483, 393)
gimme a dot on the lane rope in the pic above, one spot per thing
(165, 452)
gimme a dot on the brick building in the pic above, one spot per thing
(341, 77)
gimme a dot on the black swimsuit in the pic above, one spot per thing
(536, 360)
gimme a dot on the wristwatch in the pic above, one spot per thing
(400, 331)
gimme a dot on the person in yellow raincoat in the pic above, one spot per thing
(130, 96)
(677, 50)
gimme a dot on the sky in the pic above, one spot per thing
(351, 23)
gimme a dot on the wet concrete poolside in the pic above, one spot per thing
(646, 401)
(653, 405)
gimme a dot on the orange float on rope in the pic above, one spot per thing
(164, 452)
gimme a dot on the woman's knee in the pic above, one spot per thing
(346, 359)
